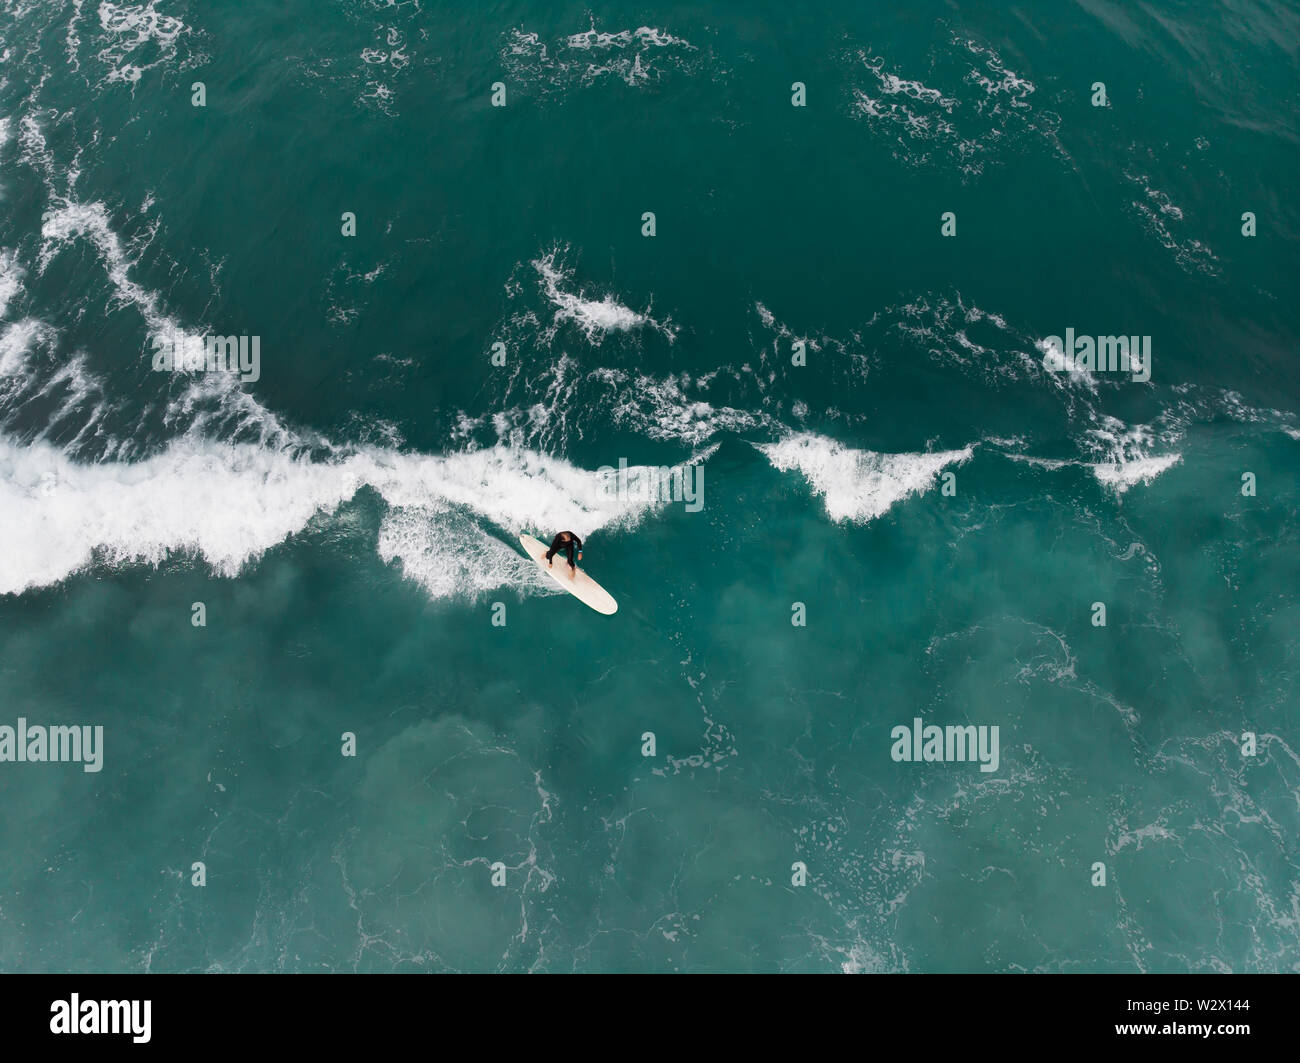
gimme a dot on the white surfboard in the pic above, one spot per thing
(579, 584)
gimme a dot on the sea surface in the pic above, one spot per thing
(386, 742)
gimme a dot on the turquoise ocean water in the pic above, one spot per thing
(939, 508)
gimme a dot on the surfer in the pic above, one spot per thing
(565, 541)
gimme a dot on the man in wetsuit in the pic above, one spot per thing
(565, 541)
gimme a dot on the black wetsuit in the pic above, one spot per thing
(565, 541)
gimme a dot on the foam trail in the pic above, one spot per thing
(634, 56)
(595, 317)
(948, 126)
(71, 39)
(16, 340)
(90, 221)
(660, 409)
(129, 28)
(11, 279)
(1068, 370)
(211, 401)
(433, 527)
(229, 503)
(858, 485)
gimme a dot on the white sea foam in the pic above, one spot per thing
(34, 151)
(926, 118)
(595, 317)
(925, 123)
(213, 401)
(859, 485)
(16, 340)
(546, 408)
(783, 332)
(633, 56)
(848, 362)
(417, 538)
(1124, 451)
(90, 220)
(11, 278)
(227, 504)
(893, 85)
(1070, 372)
(82, 403)
(71, 39)
(643, 36)
(661, 409)
(943, 324)
(1139, 837)
(1041, 463)
(1123, 475)
(1126, 458)
(128, 27)
(1159, 213)
(390, 53)
(434, 529)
